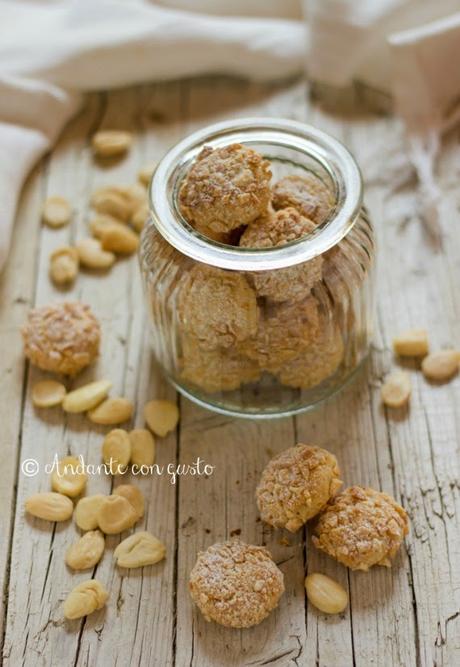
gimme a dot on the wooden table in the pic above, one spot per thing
(407, 615)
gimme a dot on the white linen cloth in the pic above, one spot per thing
(52, 51)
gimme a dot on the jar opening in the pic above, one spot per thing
(289, 145)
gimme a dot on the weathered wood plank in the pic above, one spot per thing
(17, 287)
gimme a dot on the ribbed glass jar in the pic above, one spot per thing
(293, 353)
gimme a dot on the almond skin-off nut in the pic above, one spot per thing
(49, 506)
(48, 393)
(86, 397)
(112, 411)
(139, 550)
(161, 416)
(326, 594)
(85, 598)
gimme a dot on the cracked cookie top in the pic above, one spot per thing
(361, 527)
(225, 188)
(296, 484)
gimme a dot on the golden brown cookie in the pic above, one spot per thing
(285, 330)
(61, 337)
(217, 307)
(236, 584)
(296, 485)
(307, 193)
(225, 188)
(361, 527)
(277, 229)
(318, 361)
(215, 370)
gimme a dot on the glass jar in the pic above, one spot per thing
(220, 341)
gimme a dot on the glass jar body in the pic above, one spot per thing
(261, 343)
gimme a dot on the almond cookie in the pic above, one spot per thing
(275, 229)
(225, 188)
(236, 584)
(61, 337)
(216, 370)
(217, 307)
(296, 485)
(361, 527)
(318, 361)
(307, 193)
(285, 331)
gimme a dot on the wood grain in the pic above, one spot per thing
(409, 615)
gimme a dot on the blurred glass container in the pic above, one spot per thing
(293, 354)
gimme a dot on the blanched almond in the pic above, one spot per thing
(48, 393)
(139, 550)
(63, 265)
(112, 411)
(86, 397)
(142, 447)
(396, 389)
(134, 496)
(56, 212)
(99, 222)
(93, 256)
(137, 194)
(112, 202)
(85, 598)
(119, 239)
(139, 217)
(161, 416)
(116, 451)
(145, 174)
(412, 343)
(325, 593)
(116, 514)
(109, 143)
(49, 506)
(86, 552)
(441, 366)
(87, 510)
(69, 478)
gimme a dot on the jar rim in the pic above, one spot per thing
(325, 149)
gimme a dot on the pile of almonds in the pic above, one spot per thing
(99, 515)
(120, 214)
(440, 366)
